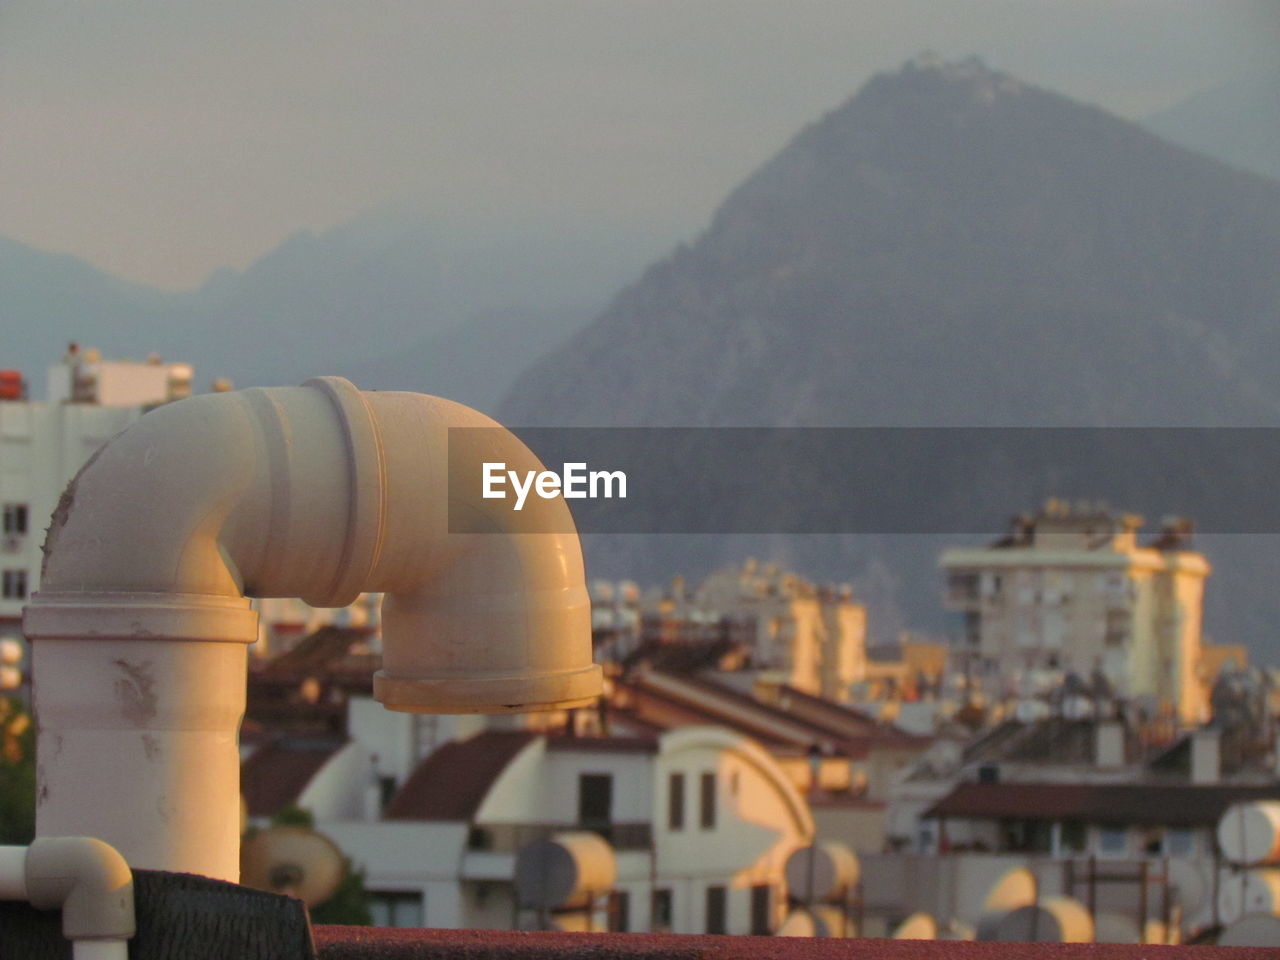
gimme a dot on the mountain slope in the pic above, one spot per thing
(1238, 123)
(48, 300)
(950, 246)
(409, 302)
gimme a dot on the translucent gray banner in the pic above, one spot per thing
(869, 480)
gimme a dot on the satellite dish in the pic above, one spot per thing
(918, 926)
(295, 861)
(830, 921)
(957, 930)
(799, 923)
(1015, 888)
(1255, 930)
(823, 871)
(564, 870)
(1054, 920)
(1189, 883)
(1231, 893)
(1249, 833)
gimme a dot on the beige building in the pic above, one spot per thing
(797, 633)
(1071, 589)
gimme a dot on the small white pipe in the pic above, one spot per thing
(100, 950)
(84, 878)
(320, 492)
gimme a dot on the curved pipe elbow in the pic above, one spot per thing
(501, 612)
(323, 492)
(86, 879)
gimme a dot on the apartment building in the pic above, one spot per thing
(43, 444)
(697, 823)
(1072, 589)
(788, 630)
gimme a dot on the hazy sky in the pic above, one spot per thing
(162, 139)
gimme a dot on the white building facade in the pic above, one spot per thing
(700, 822)
(1072, 590)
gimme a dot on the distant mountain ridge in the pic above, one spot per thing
(949, 247)
(391, 301)
(1237, 122)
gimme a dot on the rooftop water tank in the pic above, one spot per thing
(824, 871)
(565, 870)
(1249, 833)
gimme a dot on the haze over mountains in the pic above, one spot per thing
(951, 246)
(1238, 122)
(394, 301)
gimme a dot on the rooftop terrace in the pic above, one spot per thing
(370, 943)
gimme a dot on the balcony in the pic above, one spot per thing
(510, 837)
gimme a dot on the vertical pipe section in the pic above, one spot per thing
(130, 732)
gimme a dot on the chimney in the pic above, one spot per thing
(1206, 756)
(1108, 743)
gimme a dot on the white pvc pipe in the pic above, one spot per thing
(84, 878)
(100, 950)
(320, 492)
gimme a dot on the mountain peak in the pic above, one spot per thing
(929, 75)
(949, 246)
(972, 69)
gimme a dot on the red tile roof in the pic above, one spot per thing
(452, 782)
(660, 708)
(816, 731)
(848, 721)
(768, 723)
(1170, 805)
(628, 719)
(275, 774)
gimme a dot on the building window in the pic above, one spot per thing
(14, 584)
(707, 813)
(595, 799)
(15, 519)
(386, 790)
(1113, 841)
(963, 587)
(660, 911)
(1073, 836)
(619, 911)
(675, 801)
(760, 902)
(717, 910)
(1119, 627)
(393, 909)
(1179, 843)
